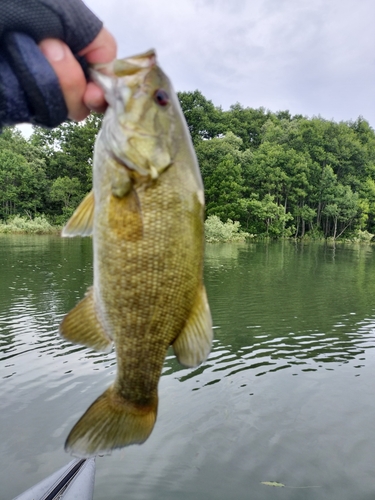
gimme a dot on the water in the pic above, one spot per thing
(286, 395)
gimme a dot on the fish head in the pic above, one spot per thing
(143, 116)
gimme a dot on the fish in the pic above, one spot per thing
(145, 214)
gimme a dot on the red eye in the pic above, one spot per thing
(161, 97)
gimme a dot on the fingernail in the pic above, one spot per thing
(54, 50)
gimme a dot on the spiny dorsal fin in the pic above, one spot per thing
(81, 222)
(82, 326)
(193, 345)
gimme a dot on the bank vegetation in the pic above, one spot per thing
(269, 174)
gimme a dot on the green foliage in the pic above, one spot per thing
(224, 189)
(217, 231)
(68, 149)
(18, 224)
(283, 176)
(275, 174)
(362, 236)
(220, 161)
(202, 117)
(23, 182)
(66, 190)
(50, 173)
(246, 123)
(266, 218)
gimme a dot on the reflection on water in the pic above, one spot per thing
(283, 306)
(290, 369)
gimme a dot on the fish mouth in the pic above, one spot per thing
(132, 69)
(127, 66)
(131, 65)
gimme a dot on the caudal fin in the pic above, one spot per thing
(111, 422)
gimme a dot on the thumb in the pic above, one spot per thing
(70, 75)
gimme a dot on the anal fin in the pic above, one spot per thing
(193, 345)
(82, 326)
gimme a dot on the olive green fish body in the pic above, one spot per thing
(146, 218)
(158, 282)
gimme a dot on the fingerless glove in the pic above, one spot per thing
(29, 89)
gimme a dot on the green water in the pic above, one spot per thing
(286, 395)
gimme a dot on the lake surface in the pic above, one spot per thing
(287, 394)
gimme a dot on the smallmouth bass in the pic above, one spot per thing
(145, 214)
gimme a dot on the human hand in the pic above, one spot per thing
(80, 96)
(44, 85)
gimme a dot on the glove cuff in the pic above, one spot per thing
(41, 94)
(13, 103)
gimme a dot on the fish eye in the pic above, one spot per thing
(161, 97)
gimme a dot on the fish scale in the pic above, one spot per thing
(145, 215)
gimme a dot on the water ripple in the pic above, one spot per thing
(255, 332)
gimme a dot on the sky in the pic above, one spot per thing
(311, 57)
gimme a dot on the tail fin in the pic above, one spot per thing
(111, 422)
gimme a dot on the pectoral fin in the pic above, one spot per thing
(82, 326)
(81, 222)
(193, 344)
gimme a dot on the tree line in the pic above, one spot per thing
(278, 175)
(49, 173)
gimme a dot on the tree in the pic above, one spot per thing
(224, 190)
(202, 117)
(275, 173)
(66, 190)
(217, 231)
(343, 209)
(220, 161)
(279, 171)
(302, 215)
(267, 218)
(211, 152)
(22, 184)
(246, 123)
(68, 149)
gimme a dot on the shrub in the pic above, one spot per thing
(19, 224)
(217, 231)
(362, 236)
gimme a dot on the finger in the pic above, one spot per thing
(102, 49)
(94, 98)
(70, 75)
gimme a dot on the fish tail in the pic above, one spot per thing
(111, 422)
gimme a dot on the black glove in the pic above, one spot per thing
(29, 88)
